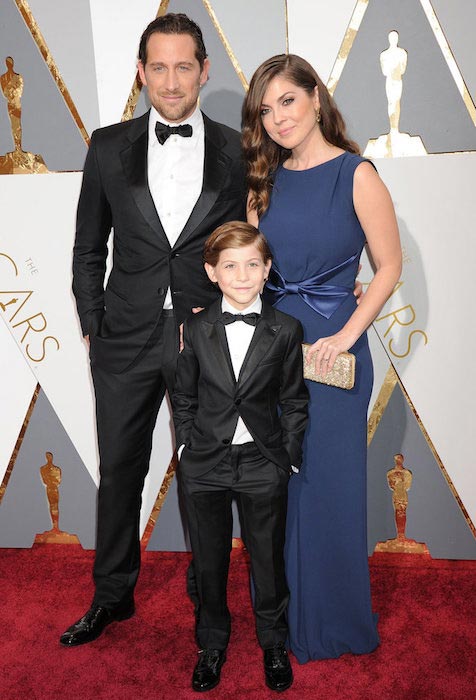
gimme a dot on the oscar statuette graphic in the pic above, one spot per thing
(51, 477)
(399, 482)
(3, 307)
(18, 161)
(393, 63)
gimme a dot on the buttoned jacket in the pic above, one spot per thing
(121, 316)
(269, 394)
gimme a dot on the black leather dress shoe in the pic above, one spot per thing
(92, 624)
(206, 674)
(277, 668)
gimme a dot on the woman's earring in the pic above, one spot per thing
(318, 115)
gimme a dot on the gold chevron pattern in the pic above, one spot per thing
(32, 25)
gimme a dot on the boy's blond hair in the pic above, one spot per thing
(234, 234)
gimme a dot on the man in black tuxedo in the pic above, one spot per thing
(240, 411)
(162, 182)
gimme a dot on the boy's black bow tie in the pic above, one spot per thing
(251, 319)
(163, 131)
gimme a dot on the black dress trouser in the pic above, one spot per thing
(127, 405)
(260, 488)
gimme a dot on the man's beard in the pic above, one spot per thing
(176, 112)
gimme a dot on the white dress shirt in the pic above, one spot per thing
(239, 336)
(175, 175)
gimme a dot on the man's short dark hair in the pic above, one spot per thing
(174, 23)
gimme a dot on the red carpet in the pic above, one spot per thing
(427, 625)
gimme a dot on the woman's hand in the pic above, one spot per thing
(326, 350)
(375, 212)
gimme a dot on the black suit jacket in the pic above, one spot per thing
(115, 193)
(270, 394)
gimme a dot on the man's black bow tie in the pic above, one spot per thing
(163, 131)
(251, 319)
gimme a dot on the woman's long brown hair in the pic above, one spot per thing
(262, 155)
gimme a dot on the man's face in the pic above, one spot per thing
(172, 75)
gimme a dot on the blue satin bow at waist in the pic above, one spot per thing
(323, 298)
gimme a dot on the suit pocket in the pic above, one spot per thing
(197, 431)
(95, 322)
(270, 362)
(272, 359)
(275, 439)
(114, 292)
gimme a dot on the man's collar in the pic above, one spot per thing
(195, 119)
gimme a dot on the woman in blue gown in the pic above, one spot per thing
(319, 202)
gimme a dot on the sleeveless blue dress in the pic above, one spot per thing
(316, 240)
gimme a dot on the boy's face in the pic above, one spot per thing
(240, 274)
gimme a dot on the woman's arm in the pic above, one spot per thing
(374, 209)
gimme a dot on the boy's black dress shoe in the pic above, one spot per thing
(92, 624)
(206, 674)
(277, 668)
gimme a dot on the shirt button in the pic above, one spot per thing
(226, 441)
(237, 402)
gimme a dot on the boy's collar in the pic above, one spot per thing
(213, 312)
(254, 307)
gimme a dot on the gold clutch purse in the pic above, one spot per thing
(341, 375)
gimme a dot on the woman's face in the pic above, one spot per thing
(288, 113)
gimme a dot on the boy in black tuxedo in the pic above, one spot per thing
(240, 411)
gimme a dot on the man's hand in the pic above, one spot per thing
(180, 347)
(358, 291)
(195, 310)
(86, 338)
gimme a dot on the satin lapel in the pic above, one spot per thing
(134, 162)
(218, 343)
(264, 336)
(215, 171)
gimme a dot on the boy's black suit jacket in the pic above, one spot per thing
(208, 400)
(115, 193)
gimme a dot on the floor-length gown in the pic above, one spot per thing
(316, 240)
